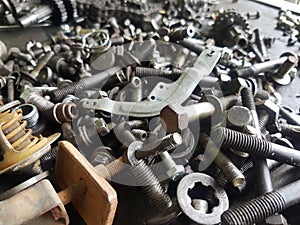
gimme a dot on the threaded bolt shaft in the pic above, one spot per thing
(254, 211)
(72, 192)
(145, 72)
(85, 83)
(258, 147)
(258, 209)
(153, 189)
(233, 174)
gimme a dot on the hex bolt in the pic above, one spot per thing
(258, 209)
(258, 68)
(282, 76)
(177, 118)
(258, 147)
(159, 146)
(142, 72)
(82, 85)
(233, 174)
(238, 117)
(41, 64)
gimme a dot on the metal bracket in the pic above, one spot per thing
(163, 94)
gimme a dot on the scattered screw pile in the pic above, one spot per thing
(173, 102)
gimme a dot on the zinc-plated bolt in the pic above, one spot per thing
(260, 43)
(11, 88)
(258, 147)
(258, 209)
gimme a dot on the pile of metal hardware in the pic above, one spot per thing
(146, 112)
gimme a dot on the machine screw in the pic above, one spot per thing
(258, 209)
(282, 77)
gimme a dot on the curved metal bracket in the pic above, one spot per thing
(163, 94)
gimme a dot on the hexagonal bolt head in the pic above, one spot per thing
(175, 118)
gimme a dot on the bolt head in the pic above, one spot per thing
(175, 118)
(271, 108)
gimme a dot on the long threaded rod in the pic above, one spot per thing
(258, 147)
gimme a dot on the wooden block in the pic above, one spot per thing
(98, 205)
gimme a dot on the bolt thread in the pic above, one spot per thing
(247, 98)
(263, 118)
(232, 173)
(147, 72)
(59, 94)
(243, 142)
(153, 189)
(48, 160)
(254, 211)
(222, 180)
(72, 192)
(116, 166)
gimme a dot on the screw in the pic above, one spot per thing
(232, 173)
(258, 209)
(41, 64)
(258, 68)
(82, 85)
(258, 147)
(11, 88)
(193, 46)
(142, 72)
(151, 186)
